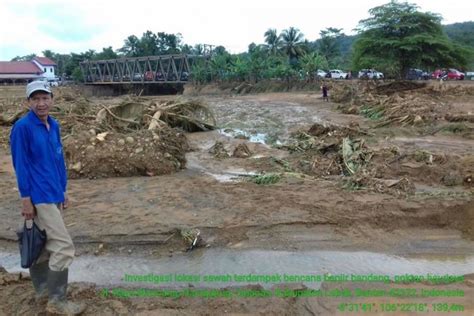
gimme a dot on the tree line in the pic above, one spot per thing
(396, 37)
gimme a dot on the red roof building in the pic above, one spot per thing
(19, 67)
(21, 71)
(45, 61)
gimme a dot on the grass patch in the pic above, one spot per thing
(371, 113)
(263, 179)
(283, 163)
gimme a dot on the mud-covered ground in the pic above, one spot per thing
(413, 189)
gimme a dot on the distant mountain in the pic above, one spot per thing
(462, 33)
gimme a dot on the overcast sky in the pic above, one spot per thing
(64, 26)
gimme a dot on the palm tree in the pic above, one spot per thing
(273, 41)
(198, 49)
(328, 44)
(292, 43)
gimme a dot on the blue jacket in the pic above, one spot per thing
(38, 159)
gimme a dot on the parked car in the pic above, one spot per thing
(149, 76)
(469, 75)
(454, 74)
(320, 74)
(171, 77)
(370, 74)
(52, 82)
(184, 76)
(338, 74)
(137, 77)
(417, 74)
(450, 74)
(159, 76)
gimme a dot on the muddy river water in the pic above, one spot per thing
(111, 270)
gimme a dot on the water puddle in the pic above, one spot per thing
(111, 270)
(254, 137)
(230, 176)
(221, 174)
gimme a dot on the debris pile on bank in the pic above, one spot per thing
(402, 103)
(147, 153)
(328, 151)
(136, 136)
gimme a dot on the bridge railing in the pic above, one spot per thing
(149, 69)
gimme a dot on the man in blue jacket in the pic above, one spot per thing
(40, 169)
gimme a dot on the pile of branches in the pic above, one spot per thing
(137, 113)
(397, 103)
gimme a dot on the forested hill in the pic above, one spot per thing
(462, 33)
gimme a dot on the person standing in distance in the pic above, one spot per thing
(325, 89)
(38, 160)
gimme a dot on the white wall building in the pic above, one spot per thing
(47, 66)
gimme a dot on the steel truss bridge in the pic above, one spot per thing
(151, 69)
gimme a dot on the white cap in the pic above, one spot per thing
(37, 86)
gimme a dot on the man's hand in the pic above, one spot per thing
(28, 210)
(65, 204)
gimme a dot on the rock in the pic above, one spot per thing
(77, 166)
(121, 142)
(167, 155)
(241, 136)
(92, 132)
(417, 119)
(219, 151)
(101, 136)
(138, 150)
(90, 148)
(242, 151)
(452, 178)
(468, 180)
(130, 140)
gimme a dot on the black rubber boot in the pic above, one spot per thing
(57, 289)
(39, 277)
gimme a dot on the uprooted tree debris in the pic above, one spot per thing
(332, 151)
(401, 102)
(137, 136)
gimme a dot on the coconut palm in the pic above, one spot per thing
(273, 41)
(293, 41)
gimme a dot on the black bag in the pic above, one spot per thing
(31, 241)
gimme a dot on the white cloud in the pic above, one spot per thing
(231, 24)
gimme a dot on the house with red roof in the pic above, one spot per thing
(47, 65)
(26, 71)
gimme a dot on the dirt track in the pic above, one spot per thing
(143, 215)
